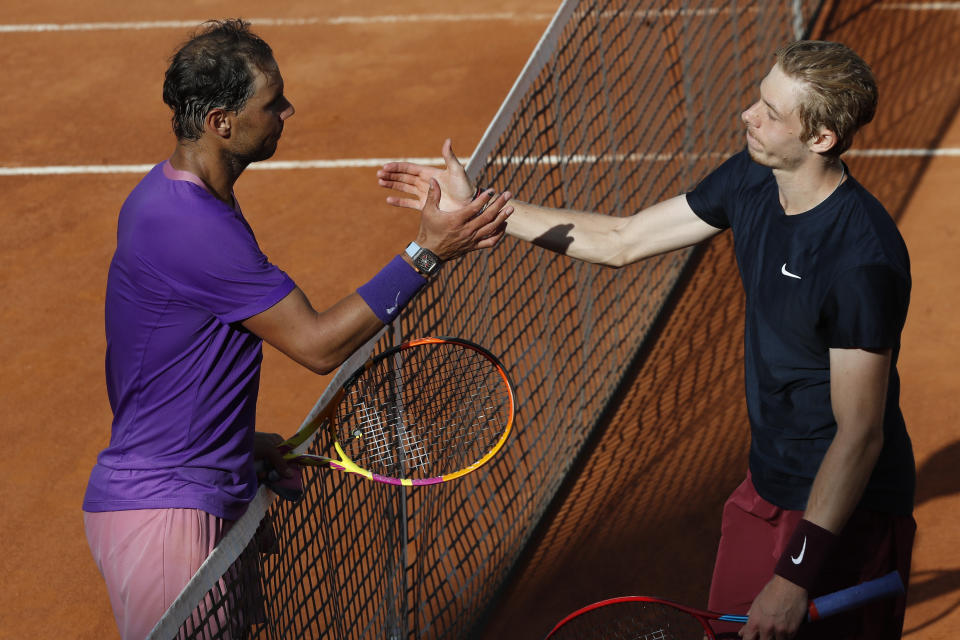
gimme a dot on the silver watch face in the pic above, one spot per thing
(426, 261)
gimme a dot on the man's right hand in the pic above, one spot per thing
(450, 234)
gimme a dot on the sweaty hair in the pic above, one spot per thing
(214, 69)
(841, 91)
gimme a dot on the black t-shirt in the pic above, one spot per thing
(836, 276)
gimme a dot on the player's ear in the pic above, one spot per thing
(823, 140)
(218, 122)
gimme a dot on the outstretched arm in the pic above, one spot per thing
(322, 340)
(609, 240)
(587, 236)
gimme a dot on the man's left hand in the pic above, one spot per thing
(776, 613)
(265, 447)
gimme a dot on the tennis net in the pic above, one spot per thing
(622, 104)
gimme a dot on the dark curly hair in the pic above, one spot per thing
(214, 69)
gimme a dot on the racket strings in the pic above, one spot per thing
(471, 405)
(462, 411)
(633, 620)
(424, 412)
(373, 429)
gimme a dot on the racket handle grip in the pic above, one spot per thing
(888, 586)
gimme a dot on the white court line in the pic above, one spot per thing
(274, 22)
(62, 170)
(430, 17)
(352, 163)
(925, 153)
(645, 14)
(919, 6)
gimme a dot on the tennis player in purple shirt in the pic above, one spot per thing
(190, 298)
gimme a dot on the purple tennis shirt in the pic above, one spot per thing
(182, 372)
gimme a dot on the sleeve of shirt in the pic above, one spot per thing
(213, 261)
(866, 308)
(710, 199)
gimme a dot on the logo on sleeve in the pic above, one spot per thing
(798, 559)
(784, 271)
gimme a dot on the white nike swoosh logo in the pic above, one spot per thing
(396, 303)
(784, 271)
(803, 550)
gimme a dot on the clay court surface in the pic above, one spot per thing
(87, 94)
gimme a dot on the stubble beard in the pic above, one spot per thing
(263, 152)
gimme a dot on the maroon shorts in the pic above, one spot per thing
(753, 536)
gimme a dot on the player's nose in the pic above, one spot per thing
(747, 116)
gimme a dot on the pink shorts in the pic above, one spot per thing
(146, 557)
(754, 534)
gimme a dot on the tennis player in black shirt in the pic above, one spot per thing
(828, 498)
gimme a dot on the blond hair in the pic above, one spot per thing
(841, 91)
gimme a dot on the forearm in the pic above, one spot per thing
(843, 476)
(858, 385)
(340, 331)
(858, 389)
(578, 234)
(610, 240)
(837, 489)
(320, 341)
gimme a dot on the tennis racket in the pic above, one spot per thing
(424, 412)
(644, 618)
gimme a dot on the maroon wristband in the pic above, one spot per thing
(807, 552)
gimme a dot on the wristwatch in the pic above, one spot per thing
(424, 260)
